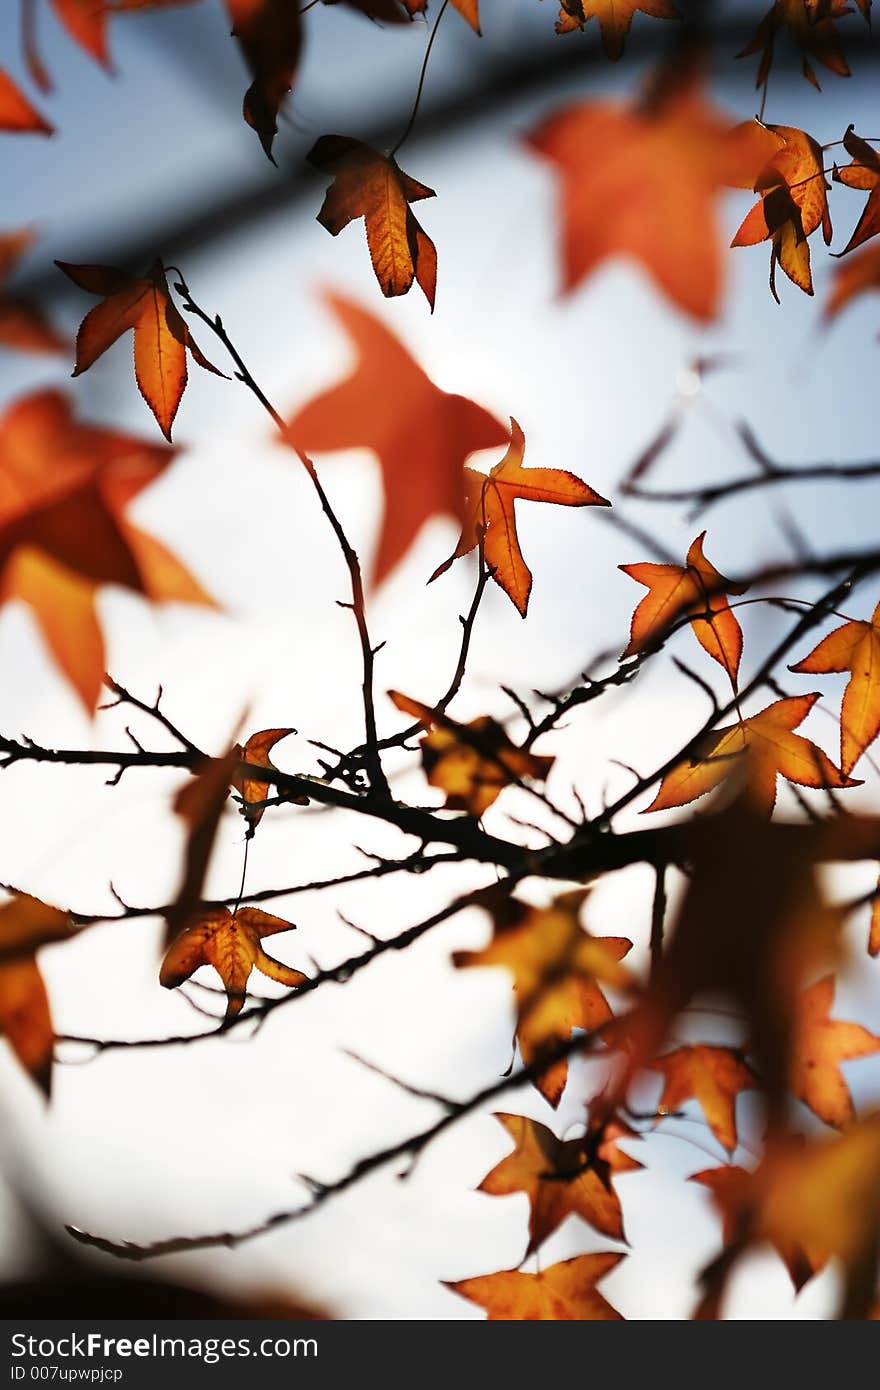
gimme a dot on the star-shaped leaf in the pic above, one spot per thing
(854, 647)
(64, 531)
(373, 186)
(472, 763)
(793, 204)
(677, 590)
(557, 968)
(563, 1292)
(763, 748)
(232, 944)
(862, 173)
(490, 505)
(26, 924)
(252, 789)
(733, 1190)
(644, 181)
(615, 18)
(811, 26)
(813, 1201)
(821, 1044)
(713, 1076)
(390, 406)
(560, 1179)
(161, 337)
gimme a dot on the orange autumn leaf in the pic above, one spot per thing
(16, 112)
(765, 747)
(874, 932)
(232, 944)
(65, 488)
(269, 33)
(676, 590)
(854, 647)
(813, 1201)
(854, 276)
(643, 181)
(372, 186)
(755, 950)
(253, 789)
(161, 337)
(733, 1191)
(821, 1044)
(564, 1291)
(560, 1180)
(794, 202)
(810, 24)
(862, 173)
(86, 23)
(713, 1076)
(615, 18)
(472, 763)
(491, 514)
(390, 406)
(26, 924)
(23, 323)
(468, 9)
(557, 968)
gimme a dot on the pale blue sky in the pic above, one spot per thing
(590, 378)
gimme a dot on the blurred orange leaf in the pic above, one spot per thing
(26, 924)
(643, 181)
(64, 491)
(853, 276)
(472, 763)
(557, 968)
(874, 933)
(390, 406)
(822, 1043)
(733, 1190)
(813, 1201)
(756, 949)
(811, 26)
(16, 112)
(23, 324)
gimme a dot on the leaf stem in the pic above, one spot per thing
(421, 87)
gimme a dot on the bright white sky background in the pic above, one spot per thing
(146, 1144)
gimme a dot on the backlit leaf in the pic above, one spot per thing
(161, 337)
